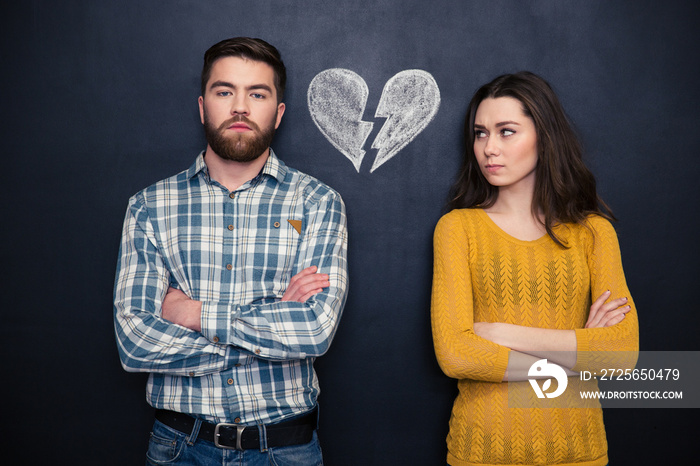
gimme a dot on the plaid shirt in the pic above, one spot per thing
(235, 252)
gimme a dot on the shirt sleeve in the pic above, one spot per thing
(291, 330)
(460, 352)
(598, 348)
(146, 342)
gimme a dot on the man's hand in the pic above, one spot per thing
(179, 309)
(305, 284)
(606, 314)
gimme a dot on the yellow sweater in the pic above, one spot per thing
(482, 274)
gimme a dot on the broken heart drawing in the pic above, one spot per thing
(337, 98)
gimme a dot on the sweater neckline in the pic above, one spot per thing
(489, 221)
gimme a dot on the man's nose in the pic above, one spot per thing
(240, 105)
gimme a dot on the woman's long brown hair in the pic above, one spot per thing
(565, 189)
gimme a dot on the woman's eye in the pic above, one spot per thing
(478, 134)
(507, 132)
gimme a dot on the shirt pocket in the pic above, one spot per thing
(275, 252)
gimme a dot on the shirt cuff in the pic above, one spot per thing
(216, 322)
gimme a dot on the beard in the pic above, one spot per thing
(239, 147)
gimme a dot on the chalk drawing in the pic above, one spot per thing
(337, 98)
(409, 101)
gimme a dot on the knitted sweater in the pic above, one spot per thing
(482, 274)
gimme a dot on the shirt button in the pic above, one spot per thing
(237, 420)
(232, 195)
(229, 267)
(215, 339)
(257, 351)
(230, 381)
(191, 374)
(277, 224)
(230, 227)
(238, 365)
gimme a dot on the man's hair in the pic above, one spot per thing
(565, 190)
(250, 49)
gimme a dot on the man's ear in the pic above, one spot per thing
(280, 112)
(201, 109)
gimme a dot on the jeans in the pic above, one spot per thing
(170, 447)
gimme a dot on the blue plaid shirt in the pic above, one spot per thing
(235, 252)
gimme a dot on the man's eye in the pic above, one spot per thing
(257, 96)
(224, 93)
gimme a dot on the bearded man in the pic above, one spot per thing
(231, 280)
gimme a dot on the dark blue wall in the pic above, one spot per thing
(99, 101)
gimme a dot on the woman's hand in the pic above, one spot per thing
(485, 330)
(607, 314)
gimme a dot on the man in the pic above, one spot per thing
(231, 280)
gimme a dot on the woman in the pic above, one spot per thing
(525, 249)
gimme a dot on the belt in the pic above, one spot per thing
(295, 431)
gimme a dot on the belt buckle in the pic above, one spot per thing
(239, 434)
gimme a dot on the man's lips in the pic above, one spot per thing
(239, 127)
(239, 124)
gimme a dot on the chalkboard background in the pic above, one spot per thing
(99, 101)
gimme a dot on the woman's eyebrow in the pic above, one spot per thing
(506, 123)
(499, 124)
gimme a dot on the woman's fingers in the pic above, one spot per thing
(595, 307)
(606, 314)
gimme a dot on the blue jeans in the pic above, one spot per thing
(171, 447)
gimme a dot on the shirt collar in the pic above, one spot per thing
(198, 166)
(273, 167)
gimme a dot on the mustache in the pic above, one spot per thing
(239, 119)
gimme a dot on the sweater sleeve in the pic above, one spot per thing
(460, 352)
(594, 345)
